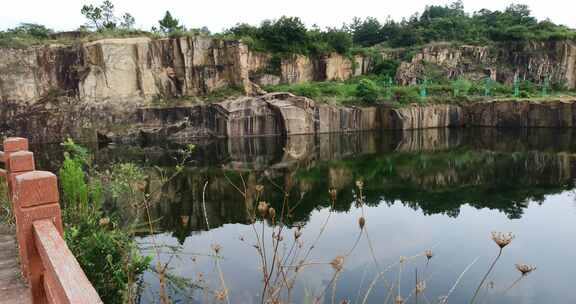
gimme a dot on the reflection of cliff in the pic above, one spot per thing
(436, 171)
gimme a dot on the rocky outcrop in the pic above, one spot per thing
(533, 61)
(270, 114)
(300, 68)
(422, 117)
(523, 114)
(131, 70)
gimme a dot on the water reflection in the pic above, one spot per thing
(446, 189)
(436, 171)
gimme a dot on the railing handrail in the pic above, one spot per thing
(53, 273)
(58, 261)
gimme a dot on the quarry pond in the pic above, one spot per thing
(406, 207)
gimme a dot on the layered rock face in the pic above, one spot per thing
(552, 114)
(299, 68)
(270, 114)
(131, 70)
(138, 70)
(533, 61)
(422, 117)
(104, 90)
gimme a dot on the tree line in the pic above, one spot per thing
(289, 35)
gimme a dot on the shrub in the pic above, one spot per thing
(461, 86)
(367, 90)
(385, 67)
(405, 95)
(105, 250)
(309, 90)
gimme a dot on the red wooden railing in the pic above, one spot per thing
(52, 271)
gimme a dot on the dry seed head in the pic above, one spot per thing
(272, 213)
(420, 287)
(104, 221)
(221, 295)
(216, 248)
(259, 188)
(338, 263)
(263, 208)
(360, 184)
(525, 268)
(333, 194)
(297, 234)
(429, 254)
(293, 153)
(361, 222)
(184, 219)
(502, 239)
(399, 300)
(279, 237)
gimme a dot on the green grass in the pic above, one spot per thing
(346, 92)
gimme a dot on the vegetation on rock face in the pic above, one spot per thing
(372, 88)
(367, 90)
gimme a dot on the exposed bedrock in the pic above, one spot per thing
(551, 114)
(531, 60)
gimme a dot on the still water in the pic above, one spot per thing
(444, 190)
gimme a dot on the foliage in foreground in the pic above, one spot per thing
(105, 250)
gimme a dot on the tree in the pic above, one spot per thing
(169, 24)
(31, 29)
(519, 14)
(367, 90)
(243, 30)
(94, 15)
(339, 40)
(285, 35)
(128, 21)
(108, 18)
(102, 17)
(366, 32)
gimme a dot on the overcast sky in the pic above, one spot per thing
(220, 14)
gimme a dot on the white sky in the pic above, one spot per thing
(220, 14)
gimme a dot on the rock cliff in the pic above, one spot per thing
(533, 61)
(131, 70)
(105, 89)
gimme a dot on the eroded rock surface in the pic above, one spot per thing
(533, 61)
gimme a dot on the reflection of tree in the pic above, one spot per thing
(434, 182)
(436, 171)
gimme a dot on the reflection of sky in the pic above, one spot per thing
(544, 237)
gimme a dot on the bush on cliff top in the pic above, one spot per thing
(289, 35)
(367, 91)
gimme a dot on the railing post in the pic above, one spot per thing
(34, 196)
(53, 273)
(23, 161)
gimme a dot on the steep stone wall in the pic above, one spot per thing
(270, 114)
(422, 117)
(300, 68)
(130, 70)
(533, 61)
(523, 114)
